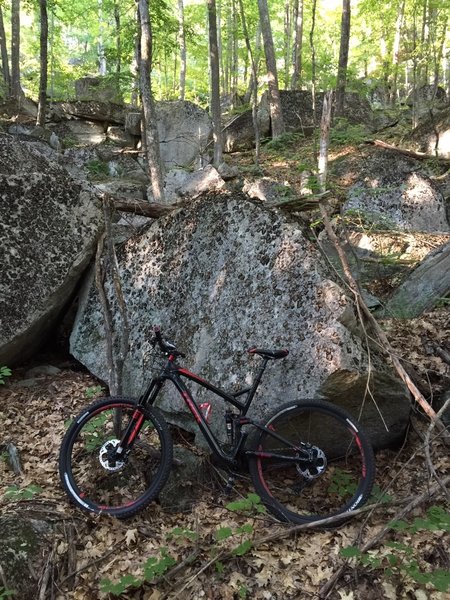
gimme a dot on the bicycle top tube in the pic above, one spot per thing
(173, 372)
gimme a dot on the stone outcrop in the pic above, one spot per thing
(49, 227)
(97, 88)
(298, 113)
(433, 135)
(391, 190)
(239, 133)
(225, 274)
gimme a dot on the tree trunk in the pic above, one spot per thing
(325, 124)
(4, 55)
(298, 46)
(255, 79)
(396, 51)
(429, 282)
(16, 90)
(182, 43)
(343, 58)
(149, 117)
(215, 82)
(287, 42)
(118, 39)
(42, 106)
(313, 60)
(276, 114)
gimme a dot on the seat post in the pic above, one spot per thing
(255, 384)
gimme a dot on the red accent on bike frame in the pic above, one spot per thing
(261, 476)
(192, 407)
(140, 417)
(193, 375)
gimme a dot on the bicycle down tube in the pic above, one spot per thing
(174, 374)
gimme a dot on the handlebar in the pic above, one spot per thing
(165, 346)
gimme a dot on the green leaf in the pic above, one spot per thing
(223, 533)
(242, 548)
(350, 552)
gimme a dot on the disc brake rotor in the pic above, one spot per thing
(105, 454)
(315, 466)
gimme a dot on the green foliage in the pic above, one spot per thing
(399, 558)
(4, 372)
(251, 504)
(152, 568)
(14, 493)
(98, 168)
(343, 133)
(4, 593)
(93, 391)
(282, 142)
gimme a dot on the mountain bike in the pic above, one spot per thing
(309, 460)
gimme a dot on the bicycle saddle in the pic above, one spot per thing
(269, 354)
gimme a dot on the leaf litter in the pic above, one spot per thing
(89, 550)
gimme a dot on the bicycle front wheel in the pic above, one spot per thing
(314, 462)
(123, 487)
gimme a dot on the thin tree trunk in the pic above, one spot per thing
(16, 90)
(118, 38)
(343, 58)
(148, 109)
(40, 120)
(396, 50)
(4, 55)
(276, 113)
(256, 54)
(325, 124)
(182, 43)
(215, 82)
(313, 60)
(100, 42)
(298, 46)
(287, 42)
(255, 79)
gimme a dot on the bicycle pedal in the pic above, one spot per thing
(230, 485)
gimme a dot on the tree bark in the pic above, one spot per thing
(4, 56)
(396, 51)
(149, 116)
(313, 60)
(215, 82)
(343, 58)
(255, 80)
(276, 113)
(429, 282)
(182, 43)
(298, 46)
(42, 106)
(16, 90)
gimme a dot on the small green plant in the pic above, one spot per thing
(14, 493)
(4, 593)
(343, 133)
(399, 558)
(153, 567)
(97, 167)
(283, 141)
(4, 372)
(251, 504)
(93, 391)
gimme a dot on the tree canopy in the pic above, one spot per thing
(394, 46)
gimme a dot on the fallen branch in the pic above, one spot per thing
(410, 153)
(141, 208)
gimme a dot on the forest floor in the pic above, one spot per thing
(213, 551)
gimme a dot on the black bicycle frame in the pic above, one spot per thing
(174, 373)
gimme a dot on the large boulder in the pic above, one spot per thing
(298, 111)
(49, 227)
(100, 89)
(433, 135)
(239, 132)
(224, 274)
(184, 130)
(391, 191)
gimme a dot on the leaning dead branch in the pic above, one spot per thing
(354, 287)
(410, 153)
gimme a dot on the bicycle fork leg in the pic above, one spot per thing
(131, 433)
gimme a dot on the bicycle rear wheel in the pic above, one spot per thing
(315, 462)
(120, 488)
